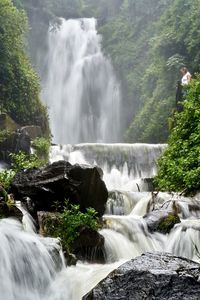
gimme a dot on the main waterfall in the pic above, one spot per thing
(80, 88)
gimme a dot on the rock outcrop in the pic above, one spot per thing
(151, 276)
(89, 246)
(161, 220)
(15, 142)
(60, 181)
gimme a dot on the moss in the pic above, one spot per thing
(168, 223)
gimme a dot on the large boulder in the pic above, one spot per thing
(151, 276)
(58, 182)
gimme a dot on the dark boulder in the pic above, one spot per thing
(60, 181)
(161, 220)
(151, 276)
(8, 209)
(89, 246)
(14, 143)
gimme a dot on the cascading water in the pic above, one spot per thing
(29, 271)
(80, 89)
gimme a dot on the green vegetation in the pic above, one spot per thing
(179, 167)
(19, 84)
(4, 134)
(20, 161)
(147, 41)
(41, 147)
(168, 223)
(66, 225)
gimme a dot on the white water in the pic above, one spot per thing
(80, 89)
(30, 272)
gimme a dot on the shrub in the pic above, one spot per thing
(41, 146)
(179, 166)
(66, 224)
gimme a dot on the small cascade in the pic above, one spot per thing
(32, 267)
(80, 88)
(27, 266)
(126, 166)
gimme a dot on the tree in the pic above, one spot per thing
(179, 166)
(19, 84)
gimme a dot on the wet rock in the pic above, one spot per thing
(14, 143)
(6, 123)
(60, 181)
(7, 206)
(161, 220)
(32, 130)
(43, 216)
(89, 246)
(151, 276)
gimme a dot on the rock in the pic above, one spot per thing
(60, 181)
(89, 246)
(14, 143)
(7, 206)
(32, 130)
(70, 259)
(161, 220)
(6, 123)
(151, 276)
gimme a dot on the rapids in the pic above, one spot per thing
(29, 271)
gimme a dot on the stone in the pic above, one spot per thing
(152, 276)
(7, 123)
(161, 220)
(58, 182)
(14, 143)
(32, 130)
(89, 246)
(8, 209)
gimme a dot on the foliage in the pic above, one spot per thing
(42, 146)
(4, 134)
(19, 84)
(179, 167)
(66, 224)
(6, 177)
(147, 42)
(21, 161)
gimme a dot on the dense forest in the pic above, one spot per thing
(147, 41)
(19, 83)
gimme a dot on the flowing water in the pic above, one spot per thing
(29, 268)
(83, 97)
(80, 88)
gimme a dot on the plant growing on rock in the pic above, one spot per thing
(66, 225)
(41, 146)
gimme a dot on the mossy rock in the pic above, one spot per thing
(161, 220)
(168, 223)
(7, 123)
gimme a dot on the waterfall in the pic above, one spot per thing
(125, 166)
(80, 88)
(29, 268)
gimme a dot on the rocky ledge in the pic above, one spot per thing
(151, 276)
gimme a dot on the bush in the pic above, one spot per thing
(41, 146)
(179, 166)
(66, 224)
